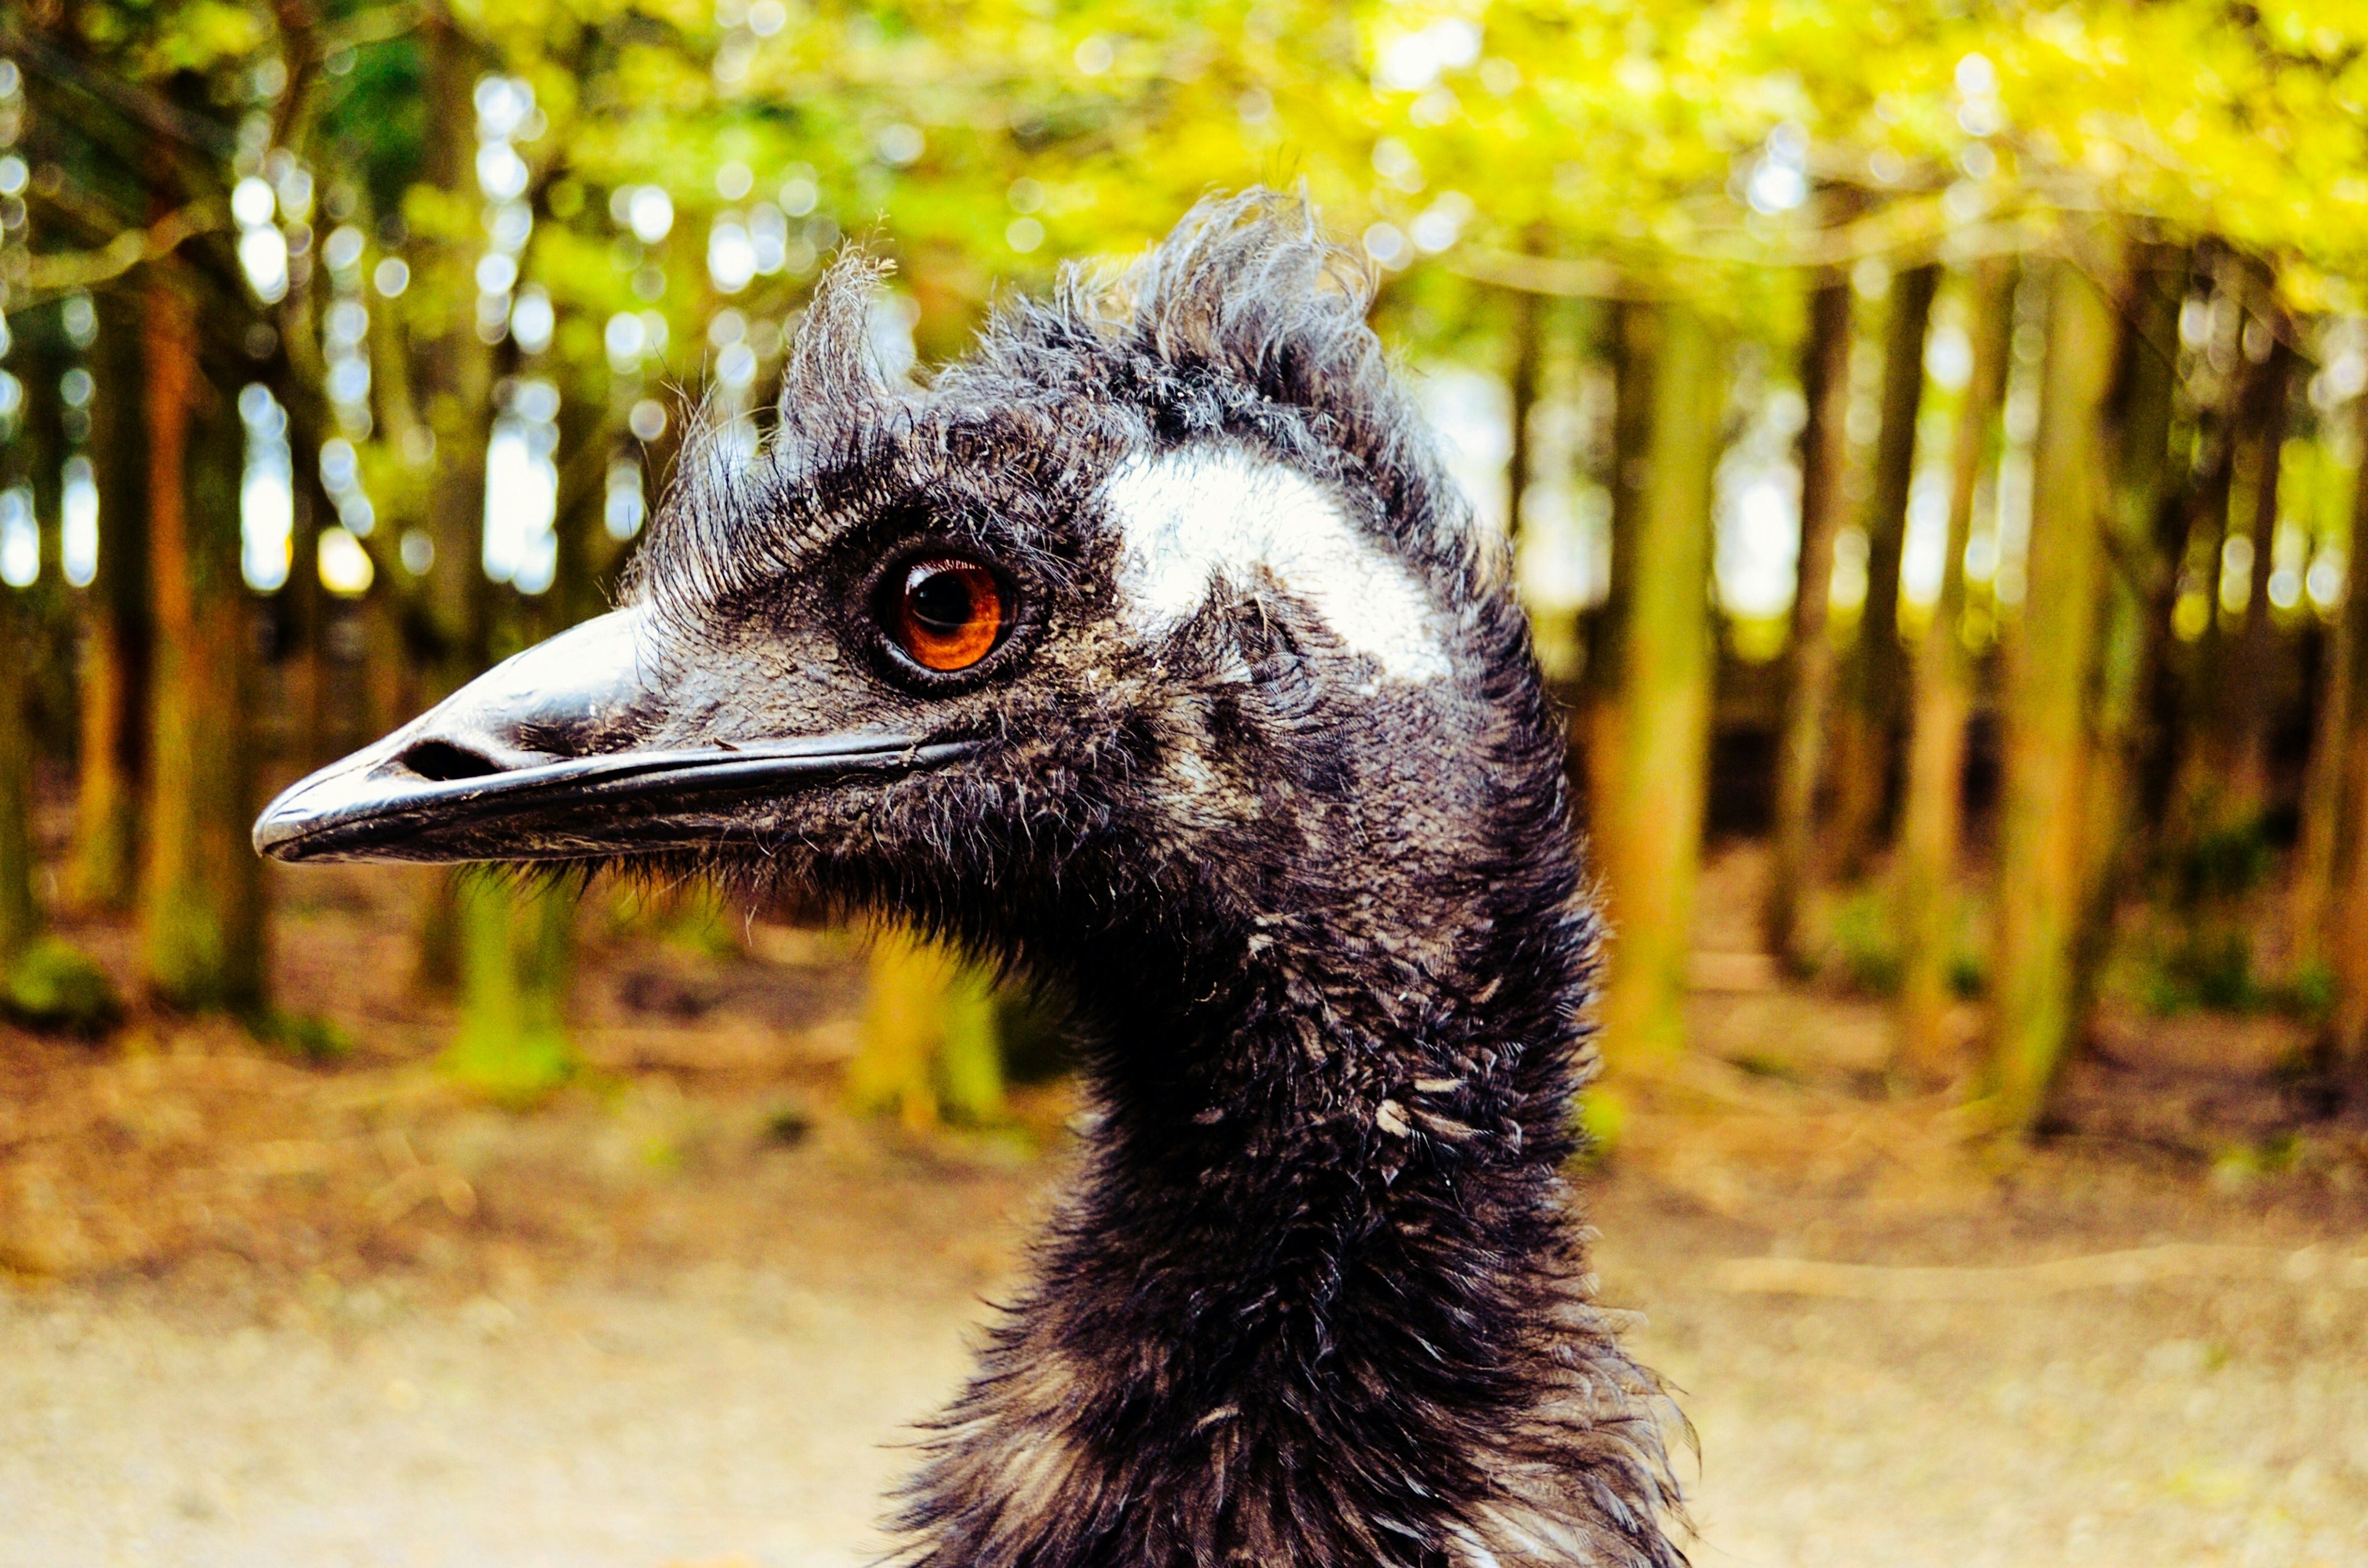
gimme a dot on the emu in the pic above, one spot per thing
(1147, 651)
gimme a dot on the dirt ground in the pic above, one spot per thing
(261, 1311)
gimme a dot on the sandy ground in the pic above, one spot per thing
(640, 1327)
(735, 1413)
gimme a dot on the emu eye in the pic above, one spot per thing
(945, 613)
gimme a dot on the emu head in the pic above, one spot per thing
(1155, 612)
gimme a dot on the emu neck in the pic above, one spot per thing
(1316, 1281)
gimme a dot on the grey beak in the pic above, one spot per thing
(537, 760)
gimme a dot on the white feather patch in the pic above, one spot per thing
(1200, 515)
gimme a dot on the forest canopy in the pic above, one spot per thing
(1962, 399)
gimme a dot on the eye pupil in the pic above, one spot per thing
(947, 614)
(940, 601)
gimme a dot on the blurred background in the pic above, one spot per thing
(1930, 442)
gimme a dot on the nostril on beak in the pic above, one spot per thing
(441, 762)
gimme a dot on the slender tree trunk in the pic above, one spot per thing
(515, 941)
(455, 387)
(2154, 748)
(20, 909)
(303, 605)
(1825, 453)
(511, 1043)
(1528, 371)
(1666, 700)
(115, 645)
(2042, 855)
(2346, 944)
(928, 1049)
(29, 464)
(2134, 614)
(203, 908)
(2317, 852)
(1633, 337)
(2253, 665)
(2218, 785)
(1943, 700)
(2196, 761)
(1869, 732)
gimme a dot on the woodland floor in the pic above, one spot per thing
(259, 1312)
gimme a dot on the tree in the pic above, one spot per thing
(20, 909)
(1942, 705)
(2140, 585)
(1631, 340)
(1663, 726)
(33, 452)
(2042, 851)
(115, 649)
(2254, 657)
(202, 907)
(2216, 794)
(1867, 735)
(2346, 1039)
(928, 1050)
(1801, 748)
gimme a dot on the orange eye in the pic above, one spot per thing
(947, 614)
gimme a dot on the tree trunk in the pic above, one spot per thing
(202, 889)
(2154, 749)
(2346, 943)
(30, 465)
(1825, 453)
(20, 909)
(2043, 815)
(1942, 703)
(455, 387)
(2211, 795)
(2319, 847)
(1666, 700)
(1528, 371)
(2252, 667)
(113, 706)
(1632, 337)
(301, 608)
(2134, 612)
(511, 1044)
(513, 941)
(928, 1051)
(1869, 735)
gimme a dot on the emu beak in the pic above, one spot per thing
(537, 760)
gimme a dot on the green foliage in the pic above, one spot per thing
(2184, 965)
(2240, 1165)
(2311, 993)
(306, 1036)
(1866, 942)
(1969, 975)
(517, 1070)
(2199, 950)
(1603, 1118)
(929, 1048)
(969, 1057)
(511, 1044)
(54, 986)
(1570, 149)
(2220, 864)
(692, 916)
